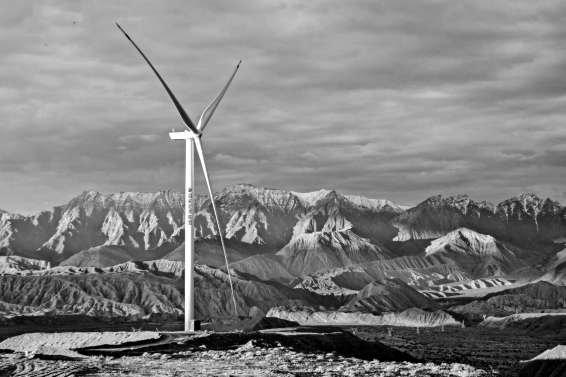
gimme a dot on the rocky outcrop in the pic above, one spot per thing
(265, 323)
(408, 318)
(14, 264)
(417, 271)
(157, 267)
(341, 281)
(535, 323)
(463, 287)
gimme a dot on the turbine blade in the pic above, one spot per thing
(211, 108)
(180, 109)
(200, 153)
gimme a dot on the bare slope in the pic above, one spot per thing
(137, 290)
(479, 255)
(105, 256)
(387, 295)
(209, 252)
(557, 269)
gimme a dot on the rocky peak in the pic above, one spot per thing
(135, 220)
(463, 240)
(380, 205)
(310, 199)
(439, 215)
(142, 200)
(547, 218)
(246, 195)
(528, 205)
(460, 202)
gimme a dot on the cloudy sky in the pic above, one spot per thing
(388, 99)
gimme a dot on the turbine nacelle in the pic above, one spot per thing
(182, 135)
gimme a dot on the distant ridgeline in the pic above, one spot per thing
(322, 250)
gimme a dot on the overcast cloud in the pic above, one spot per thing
(388, 99)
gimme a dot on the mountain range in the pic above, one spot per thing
(321, 247)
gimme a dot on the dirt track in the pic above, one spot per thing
(16, 366)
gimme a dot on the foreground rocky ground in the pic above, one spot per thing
(498, 350)
(292, 351)
(247, 360)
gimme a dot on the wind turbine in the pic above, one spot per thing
(192, 136)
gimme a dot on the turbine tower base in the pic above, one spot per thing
(193, 326)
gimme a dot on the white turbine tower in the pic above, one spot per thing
(192, 136)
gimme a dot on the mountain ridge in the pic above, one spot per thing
(149, 221)
(150, 225)
(525, 218)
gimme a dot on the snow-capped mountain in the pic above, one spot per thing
(477, 254)
(439, 215)
(285, 235)
(262, 216)
(136, 221)
(529, 218)
(153, 222)
(15, 264)
(525, 219)
(318, 248)
(251, 214)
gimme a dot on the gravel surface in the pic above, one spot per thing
(247, 360)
